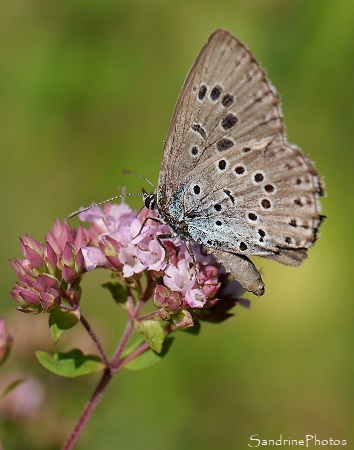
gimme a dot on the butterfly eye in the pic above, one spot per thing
(150, 201)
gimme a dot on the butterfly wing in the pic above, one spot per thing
(228, 175)
(226, 99)
(259, 203)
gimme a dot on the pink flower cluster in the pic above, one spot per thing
(51, 270)
(123, 241)
(120, 242)
(127, 243)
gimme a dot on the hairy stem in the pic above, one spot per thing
(126, 336)
(93, 336)
(148, 316)
(74, 307)
(111, 369)
(88, 410)
(141, 349)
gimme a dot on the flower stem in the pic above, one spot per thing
(148, 316)
(141, 349)
(126, 336)
(89, 408)
(90, 331)
(111, 369)
(74, 307)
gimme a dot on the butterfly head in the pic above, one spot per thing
(149, 200)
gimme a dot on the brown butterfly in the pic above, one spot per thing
(229, 179)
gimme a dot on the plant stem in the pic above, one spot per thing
(74, 307)
(131, 356)
(111, 369)
(148, 316)
(90, 331)
(141, 349)
(126, 336)
(89, 408)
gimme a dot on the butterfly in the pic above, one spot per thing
(229, 179)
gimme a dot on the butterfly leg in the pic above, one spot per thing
(160, 238)
(191, 254)
(155, 219)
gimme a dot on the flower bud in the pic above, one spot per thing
(183, 319)
(159, 295)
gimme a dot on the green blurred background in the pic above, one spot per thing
(87, 89)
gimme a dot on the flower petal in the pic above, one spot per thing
(93, 258)
(195, 298)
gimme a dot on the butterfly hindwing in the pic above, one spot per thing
(252, 205)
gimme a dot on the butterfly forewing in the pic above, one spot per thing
(226, 99)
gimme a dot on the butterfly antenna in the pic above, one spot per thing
(75, 213)
(129, 172)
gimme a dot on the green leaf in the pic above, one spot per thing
(149, 357)
(60, 321)
(11, 386)
(152, 332)
(71, 364)
(119, 293)
(131, 348)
